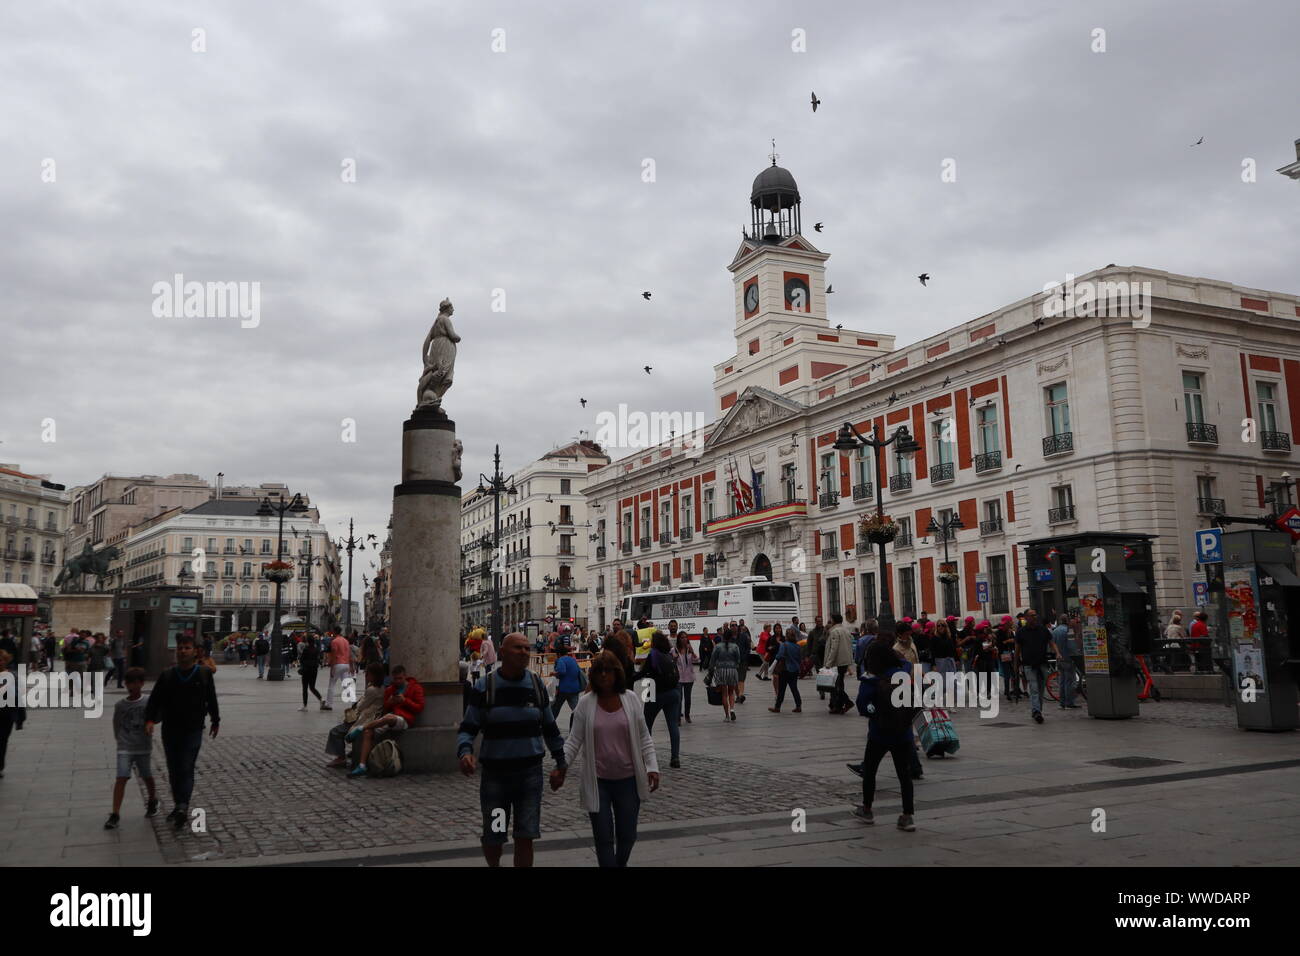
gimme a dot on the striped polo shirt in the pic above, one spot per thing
(517, 729)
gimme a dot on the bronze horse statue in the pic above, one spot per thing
(88, 562)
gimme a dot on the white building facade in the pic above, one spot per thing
(1031, 424)
(545, 534)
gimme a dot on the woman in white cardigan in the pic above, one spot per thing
(618, 767)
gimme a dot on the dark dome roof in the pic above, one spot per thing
(774, 182)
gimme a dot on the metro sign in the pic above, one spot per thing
(1290, 523)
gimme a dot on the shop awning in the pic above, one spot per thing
(1123, 582)
(1281, 574)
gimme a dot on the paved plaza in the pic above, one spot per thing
(1179, 785)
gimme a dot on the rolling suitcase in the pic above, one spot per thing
(934, 728)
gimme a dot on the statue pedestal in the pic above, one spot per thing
(424, 620)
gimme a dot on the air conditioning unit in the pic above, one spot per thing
(656, 587)
(753, 579)
(687, 585)
(727, 581)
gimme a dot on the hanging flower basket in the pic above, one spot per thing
(878, 530)
(279, 572)
(948, 577)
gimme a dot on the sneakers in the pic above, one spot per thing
(326, 707)
(688, 718)
(302, 708)
(1038, 718)
(733, 715)
(855, 767)
(775, 710)
(905, 822)
(358, 771)
(864, 813)
(174, 816)
(797, 710)
(179, 816)
(354, 733)
(675, 763)
(111, 822)
(740, 699)
(151, 808)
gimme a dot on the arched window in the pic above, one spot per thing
(228, 592)
(245, 592)
(264, 592)
(208, 593)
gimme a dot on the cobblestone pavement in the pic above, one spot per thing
(1017, 792)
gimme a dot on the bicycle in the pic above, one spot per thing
(1053, 683)
(1147, 689)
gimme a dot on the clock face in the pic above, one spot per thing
(797, 297)
(751, 298)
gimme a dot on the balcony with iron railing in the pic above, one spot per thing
(1060, 515)
(29, 522)
(902, 541)
(991, 526)
(770, 511)
(685, 534)
(1275, 441)
(627, 547)
(1201, 433)
(862, 492)
(830, 554)
(645, 542)
(665, 537)
(48, 559)
(988, 461)
(901, 482)
(944, 471)
(864, 546)
(600, 591)
(27, 556)
(686, 576)
(828, 499)
(1059, 444)
(51, 526)
(565, 550)
(600, 552)
(1211, 506)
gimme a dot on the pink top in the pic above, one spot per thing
(613, 745)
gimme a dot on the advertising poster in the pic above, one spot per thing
(1096, 654)
(1248, 664)
(1239, 589)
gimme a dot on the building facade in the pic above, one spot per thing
(232, 543)
(544, 546)
(1041, 419)
(33, 521)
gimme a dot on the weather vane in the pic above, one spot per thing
(775, 154)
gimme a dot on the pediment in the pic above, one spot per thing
(756, 409)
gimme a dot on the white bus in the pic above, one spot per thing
(755, 600)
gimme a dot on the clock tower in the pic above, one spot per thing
(784, 342)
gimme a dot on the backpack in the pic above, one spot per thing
(669, 678)
(385, 759)
(875, 700)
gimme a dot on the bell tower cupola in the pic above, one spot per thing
(774, 199)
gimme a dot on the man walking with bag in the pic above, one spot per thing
(839, 655)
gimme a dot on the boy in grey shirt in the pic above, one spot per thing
(134, 746)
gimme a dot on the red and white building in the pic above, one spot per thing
(1031, 424)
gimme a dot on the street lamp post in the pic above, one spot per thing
(849, 439)
(296, 506)
(944, 528)
(496, 486)
(350, 545)
(305, 564)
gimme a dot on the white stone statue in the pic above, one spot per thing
(455, 461)
(439, 355)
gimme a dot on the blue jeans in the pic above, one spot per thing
(182, 752)
(1010, 683)
(1069, 680)
(261, 664)
(686, 697)
(670, 702)
(119, 669)
(614, 826)
(1034, 677)
(562, 696)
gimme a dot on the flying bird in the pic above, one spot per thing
(924, 277)
(1197, 143)
(817, 226)
(241, 550)
(582, 402)
(830, 289)
(645, 295)
(647, 369)
(815, 102)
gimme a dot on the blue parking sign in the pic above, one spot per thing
(1209, 546)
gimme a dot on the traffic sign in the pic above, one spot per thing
(1209, 546)
(1290, 523)
(1201, 593)
(981, 589)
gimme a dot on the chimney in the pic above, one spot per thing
(1297, 150)
(220, 475)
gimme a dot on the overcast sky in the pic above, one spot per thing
(521, 170)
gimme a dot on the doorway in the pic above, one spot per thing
(762, 567)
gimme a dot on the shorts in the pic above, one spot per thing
(741, 669)
(141, 761)
(519, 794)
(397, 727)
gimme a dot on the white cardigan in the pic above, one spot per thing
(581, 740)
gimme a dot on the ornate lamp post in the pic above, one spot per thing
(945, 529)
(350, 545)
(849, 439)
(305, 563)
(496, 486)
(296, 506)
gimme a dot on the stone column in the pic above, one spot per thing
(425, 616)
